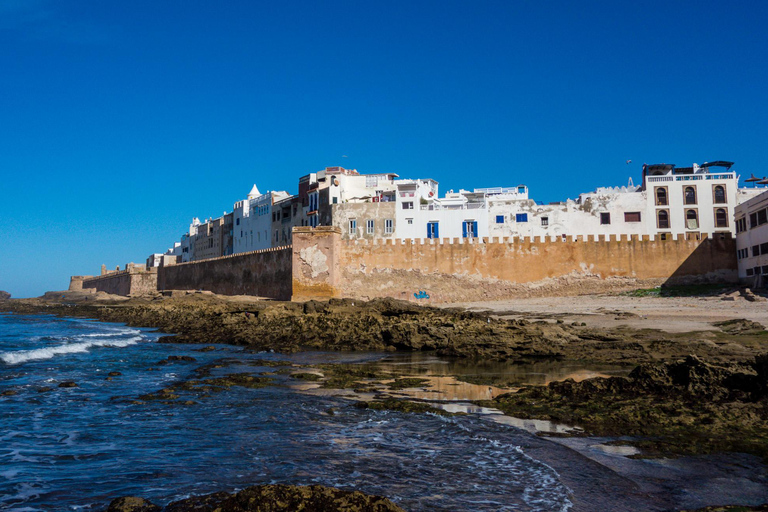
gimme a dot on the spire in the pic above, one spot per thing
(254, 192)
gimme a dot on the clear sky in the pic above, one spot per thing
(120, 121)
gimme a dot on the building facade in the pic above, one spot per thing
(751, 222)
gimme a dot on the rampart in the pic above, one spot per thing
(460, 269)
(130, 282)
(320, 265)
(264, 273)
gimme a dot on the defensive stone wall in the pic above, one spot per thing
(264, 273)
(471, 269)
(133, 281)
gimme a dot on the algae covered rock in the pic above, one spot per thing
(132, 504)
(268, 498)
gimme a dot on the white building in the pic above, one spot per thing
(752, 239)
(252, 221)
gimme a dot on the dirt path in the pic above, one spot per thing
(670, 314)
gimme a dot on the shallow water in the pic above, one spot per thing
(77, 448)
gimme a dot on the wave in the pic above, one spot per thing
(23, 356)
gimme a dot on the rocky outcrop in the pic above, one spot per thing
(267, 498)
(685, 407)
(385, 324)
(4, 295)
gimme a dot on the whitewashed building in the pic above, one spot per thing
(252, 221)
(751, 222)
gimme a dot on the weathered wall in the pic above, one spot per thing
(265, 273)
(374, 269)
(76, 283)
(315, 263)
(131, 282)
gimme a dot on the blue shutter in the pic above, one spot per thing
(464, 229)
(474, 229)
(429, 230)
(437, 230)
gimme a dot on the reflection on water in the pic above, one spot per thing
(497, 373)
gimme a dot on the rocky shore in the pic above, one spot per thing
(387, 324)
(266, 498)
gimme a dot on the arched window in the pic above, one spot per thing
(721, 218)
(691, 219)
(663, 219)
(661, 196)
(690, 195)
(719, 194)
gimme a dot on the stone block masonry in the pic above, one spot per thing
(265, 273)
(133, 281)
(320, 265)
(457, 267)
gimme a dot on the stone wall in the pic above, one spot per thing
(315, 263)
(131, 282)
(264, 273)
(449, 270)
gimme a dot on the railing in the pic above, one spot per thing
(660, 178)
(466, 206)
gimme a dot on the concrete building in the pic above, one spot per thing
(252, 220)
(751, 221)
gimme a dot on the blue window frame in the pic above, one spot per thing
(499, 219)
(433, 230)
(469, 229)
(521, 190)
(521, 217)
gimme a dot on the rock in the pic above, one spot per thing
(114, 374)
(68, 384)
(44, 389)
(4, 295)
(285, 498)
(132, 504)
(9, 392)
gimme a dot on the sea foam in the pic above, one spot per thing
(22, 356)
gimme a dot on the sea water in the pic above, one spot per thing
(77, 448)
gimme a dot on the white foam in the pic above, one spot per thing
(23, 356)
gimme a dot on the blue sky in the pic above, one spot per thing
(120, 121)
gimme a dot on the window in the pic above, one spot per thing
(661, 196)
(407, 205)
(663, 236)
(409, 221)
(721, 218)
(631, 216)
(762, 217)
(545, 221)
(389, 226)
(755, 250)
(764, 248)
(433, 230)
(369, 227)
(237, 222)
(521, 189)
(662, 219)
(719, 194)
(741, 225)
(750, 272)
(753, 220)
(499, 219)
(352, 226)
(691, 219)
(689, 195)
(605, 218)
(521, 217)
(469, 229)
(335, 200)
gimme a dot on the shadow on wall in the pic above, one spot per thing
(718, 252)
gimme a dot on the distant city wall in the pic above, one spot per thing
(265, 273)
(131, 282)
(459, 270)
